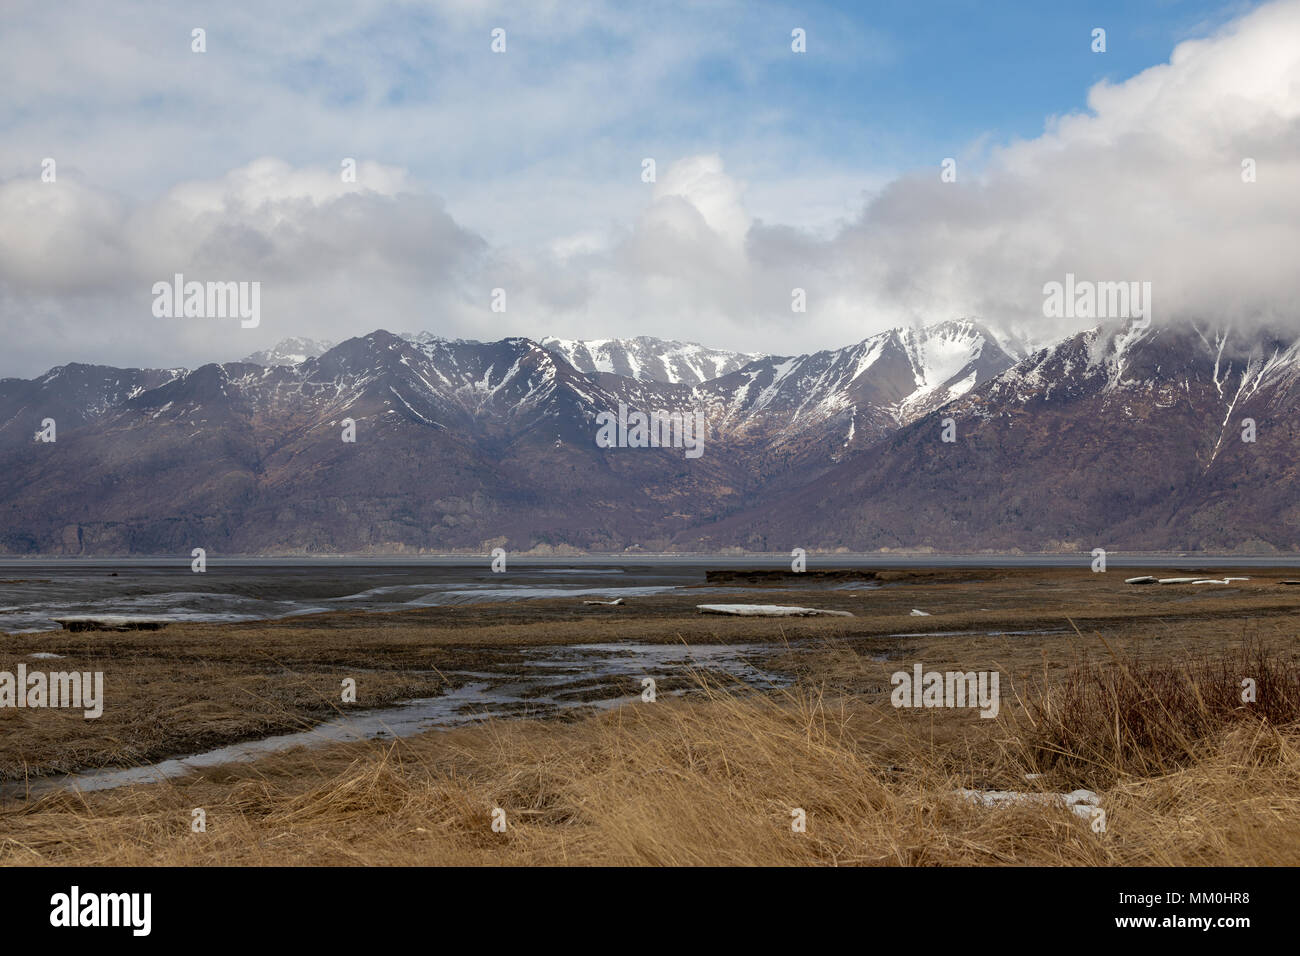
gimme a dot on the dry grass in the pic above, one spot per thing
(1150, 717)
(192, 687)
(693, 782)
(1143, 705)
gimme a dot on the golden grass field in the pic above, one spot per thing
(1135, 696)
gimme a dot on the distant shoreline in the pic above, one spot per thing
(816, 560)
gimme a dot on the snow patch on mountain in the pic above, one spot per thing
(940, 351)
(290, 351)
(648, 359)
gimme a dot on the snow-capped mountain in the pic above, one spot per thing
(290, 351)
(948, 360)
(71, 394)
(855, 395)
(648, 359)
(1114, 438)
(1171, 437)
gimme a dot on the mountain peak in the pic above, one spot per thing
(649, 359)
(290, 351)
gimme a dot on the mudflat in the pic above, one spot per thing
(731, 696)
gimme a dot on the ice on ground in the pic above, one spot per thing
(767, 610)
(1084, 803)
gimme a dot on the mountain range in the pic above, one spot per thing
(1122, 438)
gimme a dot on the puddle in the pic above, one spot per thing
(545, 681)
(542, 682)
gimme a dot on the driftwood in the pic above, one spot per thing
(108, 622)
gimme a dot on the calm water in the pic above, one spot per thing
(549, 680)
(32, 594)
(34, 591)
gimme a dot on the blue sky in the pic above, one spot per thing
(959, 71)
(523, 169)
(884, 87)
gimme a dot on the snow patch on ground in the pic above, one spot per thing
(767, 610)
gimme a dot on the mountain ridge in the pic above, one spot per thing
(465, 445)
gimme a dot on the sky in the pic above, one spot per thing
(523, 169)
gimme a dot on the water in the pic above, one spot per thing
(617, 562)
(544, 681)
(32, 591)
(32, 594)
(550, 680)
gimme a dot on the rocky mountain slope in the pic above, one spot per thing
(1111, 438)
(648, 359)
(290, 351)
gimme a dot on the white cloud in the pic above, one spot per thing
(708, 191)
(1145, 185)
(333, 258)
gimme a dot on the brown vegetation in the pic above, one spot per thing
(1146, 710)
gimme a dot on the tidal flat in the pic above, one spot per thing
(539, 708)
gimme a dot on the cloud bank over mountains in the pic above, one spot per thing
(1146, 185)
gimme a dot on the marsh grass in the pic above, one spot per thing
(1136, 716)
(1188, 777)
